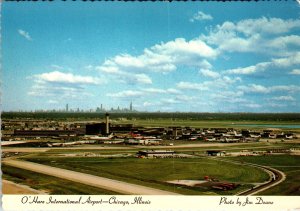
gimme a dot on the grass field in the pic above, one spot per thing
(238, 124)
(49, 184)
(155, 172)
(288, 164)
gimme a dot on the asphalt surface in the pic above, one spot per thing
(87, 179)
(276, 177)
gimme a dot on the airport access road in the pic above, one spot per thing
(87, 179)
(276, 177)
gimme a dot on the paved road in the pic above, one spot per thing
(87, 179)
(195, 145)
(88, 147)
(44, 149)
(276, 177)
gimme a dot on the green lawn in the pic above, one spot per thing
(288, 164)
(291, 186)
(272, 160)
(238, 124)
(155, 172)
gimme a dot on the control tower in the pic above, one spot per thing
(107, 123)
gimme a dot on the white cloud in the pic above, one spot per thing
(155, 90)
(276, 105)
(231, 42)
(284, 62)
(250, 69)
(185, 98)
(59, 91)
(254, 35)
(227, 95)
(173, 91)
(209, 73)
(68, 78)
(267, 25)
(285, 88)
(53, 101)
(137, 79)
(225, 81)
(25, 34)
(191, 86)
(169, 101)
(126, 77)
(127, 60)
(255, 88)
(200, 16)
(252, 105)
(293, 59)
(126, 94)
(146, 92)
(147, 104)
(89, 67)
(57, 67)
(161, 91)
(181, 47)
(62, 85)
(108, 67)
(284, 98)
(163, 57)
(261, 25)
(295, 72)
(285, 41)
(161, 102)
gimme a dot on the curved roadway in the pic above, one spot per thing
(276, 177)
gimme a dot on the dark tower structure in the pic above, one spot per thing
(107, 123)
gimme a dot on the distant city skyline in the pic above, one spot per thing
(69, 108)
(168, 57)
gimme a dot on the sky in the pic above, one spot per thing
(161, 56)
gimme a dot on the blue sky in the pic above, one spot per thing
(199, 57)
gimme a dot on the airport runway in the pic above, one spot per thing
(99, 147)
(87, 179)
(195, 145)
